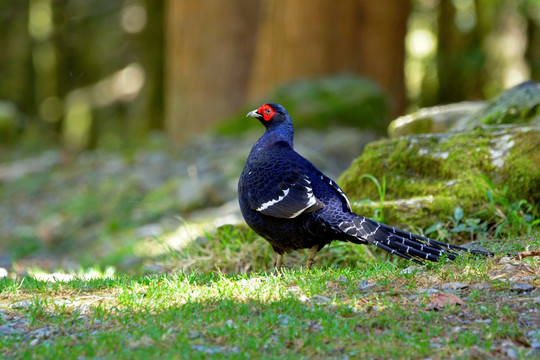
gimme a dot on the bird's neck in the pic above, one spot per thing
(274, 136)
(284, 132)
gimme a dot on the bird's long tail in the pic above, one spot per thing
(410, 246)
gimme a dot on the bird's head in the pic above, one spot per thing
(271, 115)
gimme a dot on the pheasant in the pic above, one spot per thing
(285, 199)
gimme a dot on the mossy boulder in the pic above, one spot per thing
(518, 105)
(344, 99)
(434, 119)
(428, 175)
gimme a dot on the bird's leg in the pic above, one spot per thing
(279, 260)
(311, 256)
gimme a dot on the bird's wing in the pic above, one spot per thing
(337, 189)
(288, 195)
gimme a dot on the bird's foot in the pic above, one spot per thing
(311, 256)
(279, 262)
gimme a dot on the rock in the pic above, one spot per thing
(7, 330)
(154, 269)
(518, 105)
(5, 261)
(319, 299)
(430, 291)
(523, 287)
(149, 230)
(212, 350)
(512, 354)
(293, 289)
(20, 168)
(21, 304)
(428, 175)
(411, 269)
(283, 319)
(434, 119)
(534, 335)
(481, 286)
(365, 285)
(41, 333)
(345, 144)
(505, 259)
(230, 324)
(454, 286)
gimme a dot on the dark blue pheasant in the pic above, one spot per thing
(289, 202)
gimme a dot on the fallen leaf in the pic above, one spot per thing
(440, 301)
(330, 285)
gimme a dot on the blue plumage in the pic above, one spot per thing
(289, 202)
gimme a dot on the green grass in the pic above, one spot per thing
(216, 297)
(317, 314)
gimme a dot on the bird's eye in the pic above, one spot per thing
(266, 111)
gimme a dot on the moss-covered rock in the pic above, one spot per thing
(434, 119)
(518, 105)
(438, 172)
(428, 175)
(345, 99)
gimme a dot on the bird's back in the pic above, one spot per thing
(265, 174)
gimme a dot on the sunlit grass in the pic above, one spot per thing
(376, 311)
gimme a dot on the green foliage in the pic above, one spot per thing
(346, 99)
(511, 217)
(381, 189)
(237, 249)
(231, 249)
(503, 217)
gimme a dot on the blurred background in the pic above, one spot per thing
(80, 80)
(86, 74)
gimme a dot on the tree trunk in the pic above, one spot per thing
(532, 54)
(210, 46)
(461, 60)
(367, 37)
(222, 53)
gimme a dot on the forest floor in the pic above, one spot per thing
(123, 208)
(470, 308)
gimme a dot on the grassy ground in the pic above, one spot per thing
(215, 297)
(472, 308)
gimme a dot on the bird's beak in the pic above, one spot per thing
(254, 114)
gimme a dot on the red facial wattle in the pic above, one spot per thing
(267, 112)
